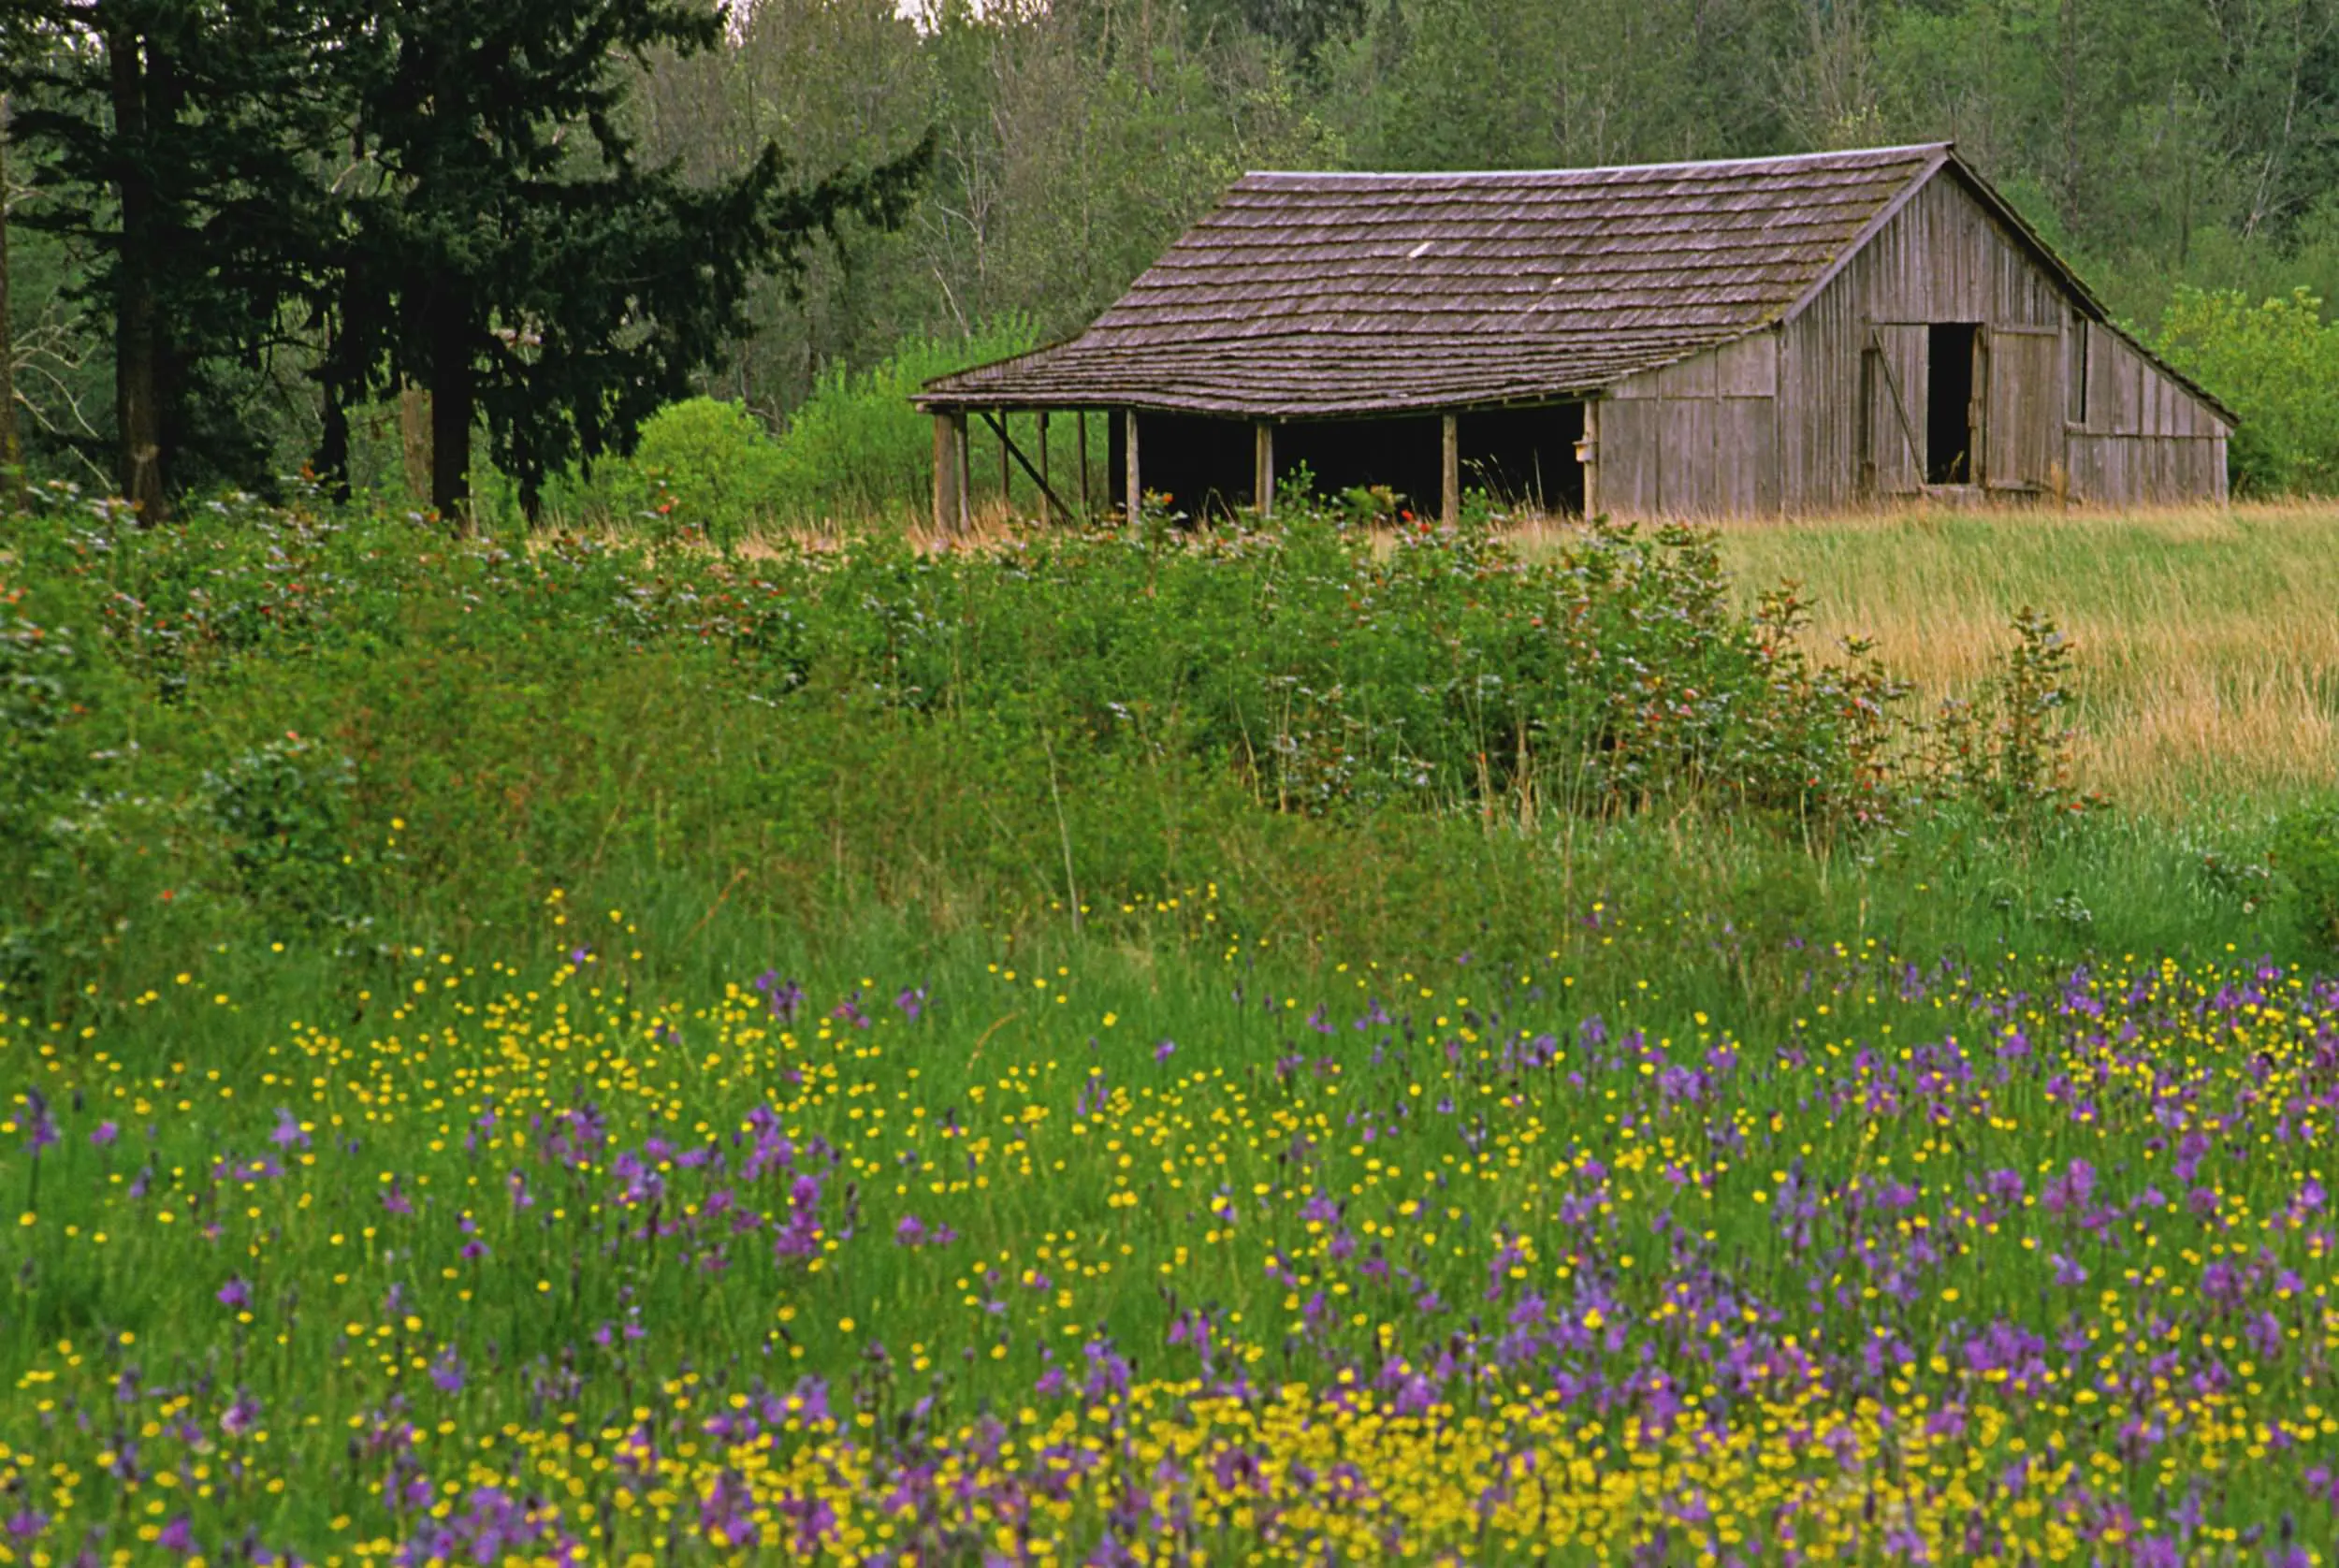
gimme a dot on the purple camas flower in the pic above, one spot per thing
(911, 1002)
(447, 1372)
(178, 1536)
(25, 1523)
(1167, 1049)
(234, 1295)
(241, 1418)
(104, 1134)
(782, 997)
(394, 1199)
(287, 1133)
(39, 1126)
(2069, 1275)
(813, 1519)
(727, 1513)
(2070, 1190)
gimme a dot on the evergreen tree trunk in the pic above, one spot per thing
(11, 446)
(452, 392)
(414, 439)
(332, 464)
(138, 414)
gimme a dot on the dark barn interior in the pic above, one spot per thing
(1345, 454)
(1522, 458)
(1202, 464)
(1949, 383)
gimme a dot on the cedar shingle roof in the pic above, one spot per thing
(1326, 294)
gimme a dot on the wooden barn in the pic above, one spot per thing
(1747, 337)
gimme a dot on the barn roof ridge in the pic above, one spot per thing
(1584, 172)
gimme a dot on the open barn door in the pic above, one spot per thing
(1892, 409)
(2026, 407)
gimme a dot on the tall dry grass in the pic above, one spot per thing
(2208, 638)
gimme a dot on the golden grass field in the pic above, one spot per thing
(2207, 639)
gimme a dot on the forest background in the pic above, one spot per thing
(2181, 151)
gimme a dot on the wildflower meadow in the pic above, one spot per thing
(558, 1055)
(2002, 1263)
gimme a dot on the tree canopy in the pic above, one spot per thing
(542, 218)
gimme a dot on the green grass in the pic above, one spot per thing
(337, 848)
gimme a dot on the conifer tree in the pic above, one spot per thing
(507, 250)
(177, 141)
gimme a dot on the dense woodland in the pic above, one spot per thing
(1001, 170)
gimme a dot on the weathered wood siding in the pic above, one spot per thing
(1844, 438)
(2135, 436)
(1697, 439)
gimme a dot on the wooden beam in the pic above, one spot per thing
(1007, 447)
(1588, 454)
(998, 422)
(966, 472)
(1450, 471)
(1043, 458)
(1263, 468)
(950, 434)
(1080, 438)
(1136, 495)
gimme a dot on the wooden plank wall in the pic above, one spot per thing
(1943, 257)
(1697, 439)
(2145, 440)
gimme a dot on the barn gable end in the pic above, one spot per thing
(1859, 373)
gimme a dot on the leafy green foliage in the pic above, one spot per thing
(704, 469)
(856, 447)
(1375, 726)
(2276, 363)
(283, 810)
(518, 260)
(2306, 863)
(2006, 747)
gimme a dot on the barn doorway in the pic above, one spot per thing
(1949, 402)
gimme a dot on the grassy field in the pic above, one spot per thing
(1084, 1052)
(2208, 644)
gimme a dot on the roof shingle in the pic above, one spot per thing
(1304, 294)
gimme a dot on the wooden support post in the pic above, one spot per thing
(1450, 471)
(965, 443)
(1005, 499)
(1588, 454)
(1080, 438)
(1136, 494)
(950, 437)
(1263, 468)
(1043, 455)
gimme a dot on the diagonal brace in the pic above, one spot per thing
(998, 427)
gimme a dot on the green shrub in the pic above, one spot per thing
(2276, 364)
(858, 448)
(705, 468)
(2306, 863)
(1412, 741)
(286, 810)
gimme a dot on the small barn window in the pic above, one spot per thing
(1949, 423)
